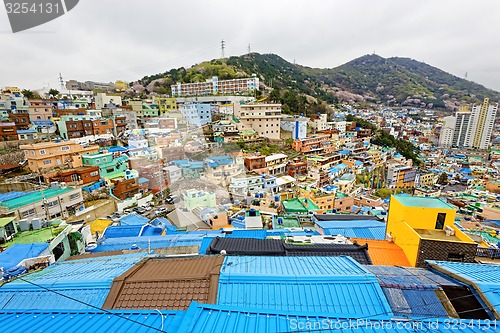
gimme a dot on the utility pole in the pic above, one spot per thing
(249, 49)
(222, 47)
(61, 82)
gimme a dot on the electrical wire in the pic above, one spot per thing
(93, 306)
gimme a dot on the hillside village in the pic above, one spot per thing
(210, 201)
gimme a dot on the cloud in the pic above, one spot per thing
(122, 39)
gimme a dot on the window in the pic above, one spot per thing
(74, 196)
(42, 151)
(28, 212)
(47, 162)
(441, 217)
(64, 148)
(25, 152)
(94, 173)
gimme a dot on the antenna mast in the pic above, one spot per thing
(222, 47)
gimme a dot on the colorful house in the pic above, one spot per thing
(424, 228)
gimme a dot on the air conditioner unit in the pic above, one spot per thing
(449, 231)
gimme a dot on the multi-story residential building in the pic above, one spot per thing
(77, 176)
(53, 154)
(296, 125)
(110, 167)
(255, 162)
(22, 120)
(125, 187)
(482, 126)
(103, 100)
(314, 145)
(297, 168)
(196, 114)
(120, 124)
(425, 229)
(8, 131)
(401, 176)
(77, 126)
(153, 172)
(319, 122)
(265, 119)
(324, 200)
(215, 87)
(39, 109)
(195, 198)
(165, 104)
(276, 164)
(244, 184)
(58, 201)
(426, 179)
(447, 130)
(29, 134)
(172, 152)
(473, 128)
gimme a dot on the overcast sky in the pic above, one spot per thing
(108, 40)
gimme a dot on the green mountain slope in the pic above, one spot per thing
(392, 81)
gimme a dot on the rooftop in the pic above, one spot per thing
(167, 283)
(33, 197)
(436, 234)
(384, 253)
(426, 202)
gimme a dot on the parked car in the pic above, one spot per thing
(139, 210)
(173, 199)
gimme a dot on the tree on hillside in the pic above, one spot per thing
(28, 93)
(443, 178)
(53, 93)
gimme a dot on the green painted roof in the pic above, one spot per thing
(426, 202)
(34, 197)
(33, 236)
(6, 220)
(288, 222)
(294, 206)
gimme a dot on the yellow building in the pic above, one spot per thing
(12, 89)
(428, 179)
(165, 104)
(424, 228)
(47, 155)
(324, 200)
(121, 85)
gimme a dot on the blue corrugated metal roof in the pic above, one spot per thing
(205, 243)
(154, 242)
(87, 280)
(18, 252)
(98, 271)
(122, 231)
(168, 225)
(258, 234)
(121, 321)
(369, 229)
(46, 300)
(206, 318)
(485, 278)
(133, 219)
(338, 285)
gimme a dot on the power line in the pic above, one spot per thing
(93, 306)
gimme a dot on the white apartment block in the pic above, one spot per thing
(102, 99)
(215, 87)
(265, 119)
(447, 130)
